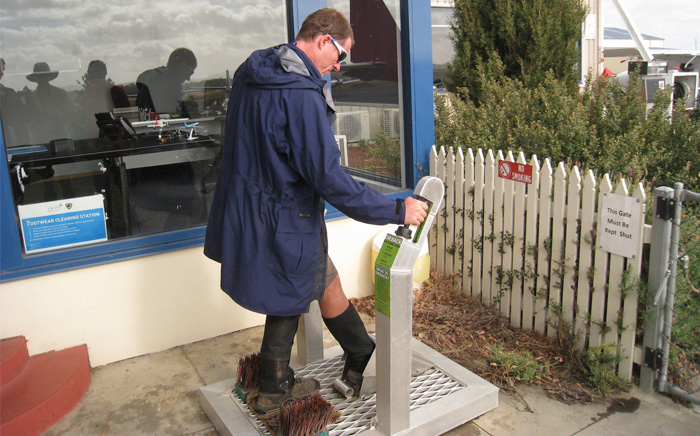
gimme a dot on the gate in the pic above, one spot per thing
(672, 333)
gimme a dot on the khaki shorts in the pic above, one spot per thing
(331, 272)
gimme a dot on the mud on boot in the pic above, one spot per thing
(278, 386)
(303, 387)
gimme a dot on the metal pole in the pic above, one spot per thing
(310, 336)
(634, 32)
(395, 312)
(671, 287)
(658, 277)
(394, 357)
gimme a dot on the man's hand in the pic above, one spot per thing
(416, 211)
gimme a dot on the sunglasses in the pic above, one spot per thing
(342, 54)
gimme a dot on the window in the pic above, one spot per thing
(367, 94)
(115, 111)
(150, 180)
(441, 17)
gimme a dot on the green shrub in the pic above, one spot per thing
(388, 151)
(521, 367)
(519, 39)
(605, 128)
(600, 364)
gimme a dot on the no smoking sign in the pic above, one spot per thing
(515, 171)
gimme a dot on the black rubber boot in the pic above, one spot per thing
(279, 386)
(348, 329)
(277, 383)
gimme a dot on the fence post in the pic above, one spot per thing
(658, 277)
(670, 287)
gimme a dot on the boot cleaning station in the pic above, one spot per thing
(408, 388)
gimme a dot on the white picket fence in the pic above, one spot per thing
(530, 248)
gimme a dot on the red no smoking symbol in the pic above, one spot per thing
(504, 169)
(515, 171)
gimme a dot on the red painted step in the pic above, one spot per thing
(13, 358)
(49, 387)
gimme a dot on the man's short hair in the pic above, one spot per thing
(327, 20)
(182, 56)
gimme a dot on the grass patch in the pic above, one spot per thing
(522, 367)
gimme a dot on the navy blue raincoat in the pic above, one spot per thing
(280, 162)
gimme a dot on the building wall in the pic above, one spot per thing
(616, 64)
(140, 306)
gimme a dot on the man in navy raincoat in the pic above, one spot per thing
(266, 225)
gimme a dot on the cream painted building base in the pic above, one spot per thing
(150, 304)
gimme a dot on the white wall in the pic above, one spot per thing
(134, 307)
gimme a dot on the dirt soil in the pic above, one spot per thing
(465, 330)
(358, 157)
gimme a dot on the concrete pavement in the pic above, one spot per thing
(157, 394)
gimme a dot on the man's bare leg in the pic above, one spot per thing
(334, 301)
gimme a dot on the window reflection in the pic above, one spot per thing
(441, 18)
(366, 92)
(160, 89)
(124, 100)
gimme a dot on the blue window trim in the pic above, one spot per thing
(417, 76)
(418, 119)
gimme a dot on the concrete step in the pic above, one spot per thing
(47, 387)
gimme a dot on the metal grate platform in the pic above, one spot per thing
(442, 397)
(357, 413)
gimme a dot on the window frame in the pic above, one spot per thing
(416, 52)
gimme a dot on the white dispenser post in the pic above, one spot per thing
(394, 312)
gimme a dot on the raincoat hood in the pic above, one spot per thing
(263, 68)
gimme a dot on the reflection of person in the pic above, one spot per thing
(160, 89)
(266, 224)
(101, 95)
(49, 106)
(13, 115)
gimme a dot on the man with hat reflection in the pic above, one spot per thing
(49, 106)
(101, 95)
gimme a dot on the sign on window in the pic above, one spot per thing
(63, 223)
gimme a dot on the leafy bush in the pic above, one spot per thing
(605, 128)
(519, 39)
(388, 151)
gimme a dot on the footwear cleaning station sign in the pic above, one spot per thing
(63, 223)
(620, 221)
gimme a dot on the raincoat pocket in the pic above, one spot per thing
(295, 247)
